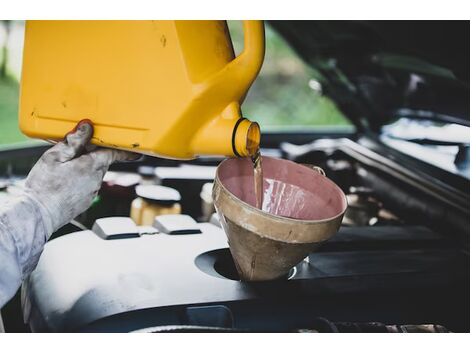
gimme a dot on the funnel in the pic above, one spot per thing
(301, 209)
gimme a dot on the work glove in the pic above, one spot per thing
(59, 187)
(67, 177)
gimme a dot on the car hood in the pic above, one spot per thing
(378, 71)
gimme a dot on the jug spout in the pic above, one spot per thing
(246, 138)
(227, 136)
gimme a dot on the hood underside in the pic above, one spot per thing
(377, 71)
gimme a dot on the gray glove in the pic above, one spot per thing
(66, 178)
(60, 186)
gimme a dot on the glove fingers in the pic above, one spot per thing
(105, 157)
(77, 139)
(90, 147)
(73, 144)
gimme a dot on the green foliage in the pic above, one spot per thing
(9, 130)
(281, 95)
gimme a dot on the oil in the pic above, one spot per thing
(258, 178)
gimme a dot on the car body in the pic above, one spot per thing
(400, 258)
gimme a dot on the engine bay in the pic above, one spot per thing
(391, 267)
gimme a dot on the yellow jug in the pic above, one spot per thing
(166, 88)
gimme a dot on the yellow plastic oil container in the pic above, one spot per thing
(166, 88)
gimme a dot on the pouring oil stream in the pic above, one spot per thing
(258, 178)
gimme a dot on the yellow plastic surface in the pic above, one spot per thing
(166, 88)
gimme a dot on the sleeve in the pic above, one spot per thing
(24, 230)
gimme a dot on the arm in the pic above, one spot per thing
(59, 187)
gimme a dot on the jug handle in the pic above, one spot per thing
(253, 46)
(249, 61)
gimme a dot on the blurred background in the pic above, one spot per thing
(11, 50)
(286, 95)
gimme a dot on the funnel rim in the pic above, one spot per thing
(284, 218)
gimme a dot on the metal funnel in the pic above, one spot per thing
(301, 209)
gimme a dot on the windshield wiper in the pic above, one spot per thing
(429, 141)
(462, 158)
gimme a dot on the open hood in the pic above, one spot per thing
(377, 71)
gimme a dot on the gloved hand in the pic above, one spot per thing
(66, 178)
(60, 186)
